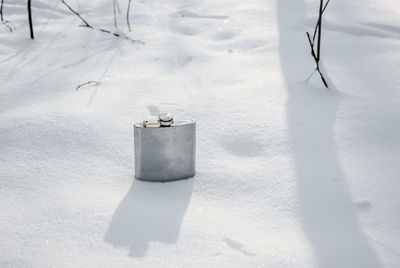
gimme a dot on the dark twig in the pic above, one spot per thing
(76, 13)
(30, 19)
(323, 78)
(318, 32)
(127, 15)
(326, 4)
(87, 25)
(6, 23)
(96, 83)
(1, 11)
(316, 62)
(319, 20)
(312, 47)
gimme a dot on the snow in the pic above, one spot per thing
(289, 174)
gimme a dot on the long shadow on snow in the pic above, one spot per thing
(149, 212)
(328, 219)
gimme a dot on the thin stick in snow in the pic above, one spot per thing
(87, 25)
(76, 13)
(318, 33)
(30, 19)
(316, 62)
(95, 83)
(1, 10)
(319, 30)
(319, 21)
(6, 23)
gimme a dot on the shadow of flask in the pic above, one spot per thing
(149, 212)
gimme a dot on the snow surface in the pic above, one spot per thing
(288, 173)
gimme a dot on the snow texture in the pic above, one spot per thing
(289, 174)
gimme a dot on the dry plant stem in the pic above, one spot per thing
(127, 15)
(318, 30)
(30, 19)
(96, 83)
(9, 25)
(316, 62)
(76, 13)
(87, 25)
(6, 23)
(319, 21)
(1, 10)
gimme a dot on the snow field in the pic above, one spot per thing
(288, 174)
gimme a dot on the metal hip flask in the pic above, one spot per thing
(165, 150)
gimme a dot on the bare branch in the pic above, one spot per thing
(322, 78)
(3, 22)
(87, 25)
(312, 47)
(1, 11)
(95, 83)
(30, 19)
(319, 20)
(317, 31)
(8, 25)
(326, 4)
(76, 13)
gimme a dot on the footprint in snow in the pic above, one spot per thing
(242, 145)
(363, 205)
(189, 14)
(224, 35)
(184, 30)
(237, 246)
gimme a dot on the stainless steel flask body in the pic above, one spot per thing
(165, 152)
